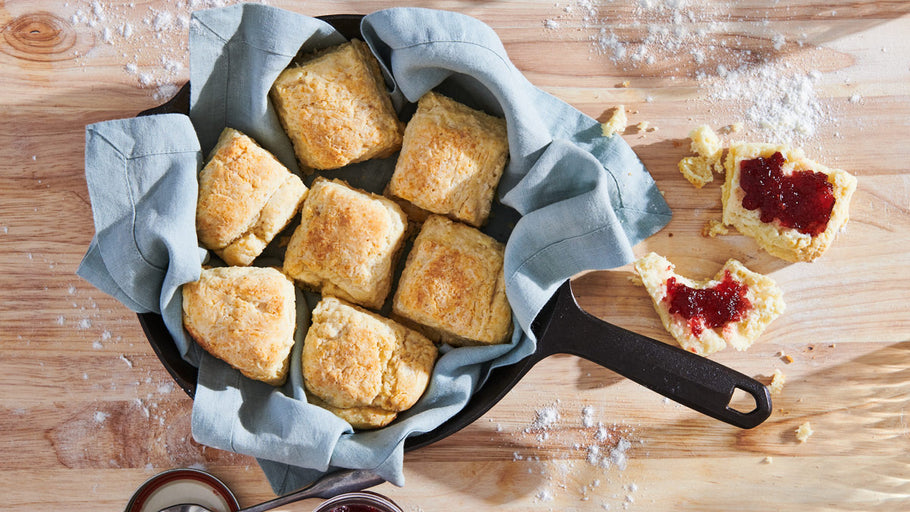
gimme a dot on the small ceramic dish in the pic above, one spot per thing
(184, 485)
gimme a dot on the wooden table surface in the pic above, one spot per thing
(87, 412)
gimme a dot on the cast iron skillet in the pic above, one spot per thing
(561, 328)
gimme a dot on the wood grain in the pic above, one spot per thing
(87, 413)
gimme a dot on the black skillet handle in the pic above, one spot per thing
(692, 380)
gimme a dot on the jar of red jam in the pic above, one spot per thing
(363, 501)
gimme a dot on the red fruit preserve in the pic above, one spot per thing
(802, 200)
(355, 508)
(708, 307)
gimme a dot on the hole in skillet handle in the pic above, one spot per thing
(689, 379)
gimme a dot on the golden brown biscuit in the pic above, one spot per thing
(244, 316)
(335, 108)
(788, 243)
(453, 285)
(369, 365)
(347, 243)
(451, 160)
(764, 302)
(245, 198)
(361, 418)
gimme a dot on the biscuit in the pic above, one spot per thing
(453, 286)
(361, 418)
(791, 244)
(451, 160)
(347, 243)
(368, 365)
(244, 316)
(764, 303)
(246, 197)
(335, 108)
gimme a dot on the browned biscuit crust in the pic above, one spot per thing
(347, 243)
(354, 359)
(335, 108)
(453, 285)
(244, 316)
(451, 160)
(245, 198)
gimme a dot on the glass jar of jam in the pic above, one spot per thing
(363, 501)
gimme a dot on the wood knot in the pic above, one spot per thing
(40, 37)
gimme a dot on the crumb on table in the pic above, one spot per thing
(804, 431)
(616, 123)
(714, 227)
(777, 382)
(700, 169)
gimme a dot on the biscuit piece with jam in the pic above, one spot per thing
(704, 316)
(793, 207)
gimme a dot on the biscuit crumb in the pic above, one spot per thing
(714, 227)
(706, 145)
(777, 382)
(696, 170)
(804, 431)
(788, 358)
(767, 460)
(617, 122)
(625, 84)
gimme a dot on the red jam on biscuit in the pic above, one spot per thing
(708, 307)
(802, 200)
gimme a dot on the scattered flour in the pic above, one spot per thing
(778, 100)
(546, 417)
(154, 49)
(694, 39)
(100, 417)
(587, 416)
(601, 448)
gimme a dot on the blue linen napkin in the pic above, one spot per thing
(584, 201)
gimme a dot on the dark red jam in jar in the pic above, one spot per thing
(708, 307)
(360, 501)
(354, 508)
(802, 200)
